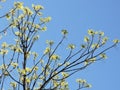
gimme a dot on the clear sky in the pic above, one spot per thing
(77, 16)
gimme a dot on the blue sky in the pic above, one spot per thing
(77, 16)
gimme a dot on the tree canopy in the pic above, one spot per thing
(24, 69)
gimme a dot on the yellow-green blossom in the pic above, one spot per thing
(36, 68)
(18, 5)
(104, 40)
(35, 55)
(54, 57)
(116, 41)
(8, 16)
(28, 80)
(36, 37)
(37, 26)
(86, 62)
(64, 74)
(41, 61)
(4, 45)
(39, 14)
(91, 32)
(64, 84)
(93, 59)
(50, 42)
(37, 7)
(44, 28)
(101, 33)
(64, 32)
(81, 81)
(23, 72)
(67, 63)
(88, 85)
(27, 11)
(47, 50)
(41, 77)
(35, 76)
(55, 83)
(83, 46)
(6, 73)
(3, 66)
(3, 51)
(86, 39)
(103, 55)
(95, 45)
(27, 69)
(14, 64)
(18, 33)
(18, 49)
(13, 84)
(21, 16)
(44, 20)
(14, 23)
(71, 46)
